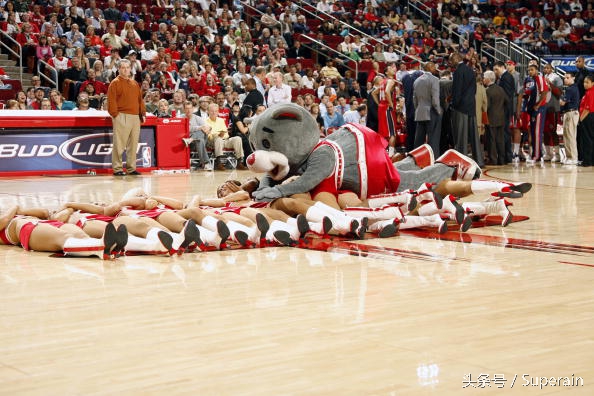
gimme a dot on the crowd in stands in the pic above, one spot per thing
(234, 55)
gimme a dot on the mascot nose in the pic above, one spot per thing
(251, 159)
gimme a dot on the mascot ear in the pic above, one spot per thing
(285, 113)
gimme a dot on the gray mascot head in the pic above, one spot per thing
(288, 132)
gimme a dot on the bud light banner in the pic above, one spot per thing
(567, 63)
(66, 148)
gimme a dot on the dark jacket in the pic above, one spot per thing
(464, 90)
(497, 101)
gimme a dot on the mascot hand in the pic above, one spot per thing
(267, 194)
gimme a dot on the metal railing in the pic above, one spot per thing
(312, 40)
(19, 55)
(330, 17)
(503, 50)
(420, 9)
(346, 58)
(54, 72)
(350, 28)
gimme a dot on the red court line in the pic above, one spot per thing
(580, 264)
(514, 243)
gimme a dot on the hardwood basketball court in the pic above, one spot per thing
(409, 315)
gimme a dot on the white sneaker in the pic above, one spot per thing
(530, 162)
(555, 158)
(570, 162)
(208, 167)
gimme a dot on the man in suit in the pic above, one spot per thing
(427, 109)
(508, 83)
(298, 51)
(407, 87)
(463, 108)
(496, 111)
(445, 97)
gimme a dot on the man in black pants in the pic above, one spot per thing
(507, 82)
(463, 108)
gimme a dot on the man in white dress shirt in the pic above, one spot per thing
(279, 92)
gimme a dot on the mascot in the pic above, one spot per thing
(286, 143)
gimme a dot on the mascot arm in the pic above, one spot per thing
(320, 165)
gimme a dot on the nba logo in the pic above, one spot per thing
(146, 157)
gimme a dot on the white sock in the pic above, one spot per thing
(145, 245)
(210, 222)
(428, 209)
(516, 148)
(316, 227)
(487, 186)
(83, 247)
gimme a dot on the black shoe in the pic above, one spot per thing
(110, 241)
(120, 173)
(134, 173)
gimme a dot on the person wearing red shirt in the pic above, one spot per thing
(224, 111)
(36, 17)
(29, 42)
(172, 50)
(105, 49)
(100, 87)
(208, 87)
(586, 124)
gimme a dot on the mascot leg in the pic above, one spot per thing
(411, 179)
(466, 168)
(407, 164)
(423, 156)
(498, 208)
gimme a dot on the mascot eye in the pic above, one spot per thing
(266, 143)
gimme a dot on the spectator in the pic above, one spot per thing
(332, 119)
(356, 116)
(21, 99)
(58, 102)
(199, 132)
(203, 104)
(279, 92)
(330, 71)
(162, 110)
(112, 13)
(39, 96)
(115, 41)
(219, 139)
(129, 15)
(83, 102)
(238, 127)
